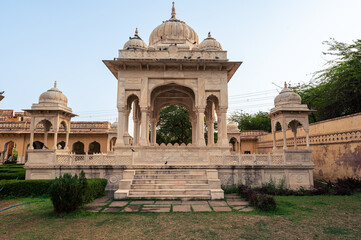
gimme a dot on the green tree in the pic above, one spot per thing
(246, 121)
(174, 126)
(336, 90)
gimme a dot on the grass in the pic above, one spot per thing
(306, 217)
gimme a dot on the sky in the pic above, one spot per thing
(66, 41)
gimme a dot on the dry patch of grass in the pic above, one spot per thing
(316, 217)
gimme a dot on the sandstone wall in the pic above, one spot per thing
(335, 145)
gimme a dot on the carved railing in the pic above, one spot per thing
(92, 159)
(248, 159)
(336, 137)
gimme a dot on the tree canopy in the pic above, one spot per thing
(174, 126)
(246, 121)
(336, 90)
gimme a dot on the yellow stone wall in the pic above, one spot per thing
(23, 139)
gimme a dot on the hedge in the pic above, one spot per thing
(37, 188)
(12, 171)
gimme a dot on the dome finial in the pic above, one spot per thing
(136, 32)
(173, 12)
(285, 84)
(209, 34)
(55, 84)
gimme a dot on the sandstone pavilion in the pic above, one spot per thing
(174, 68)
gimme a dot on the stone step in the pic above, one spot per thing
(172, 176)
(169, 181)
(171, 197)
(185, 192)
(170, 186)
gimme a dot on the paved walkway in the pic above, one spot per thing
(232, 202)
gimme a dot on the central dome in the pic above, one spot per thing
(173, 31)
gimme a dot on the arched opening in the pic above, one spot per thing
(133, 108)
(61, 145)
(38, 145)
(178, 102)
(294, 124)
(277, 127)
(47, 126)
(174, 126)
(112, 143)
(211, 120)
(7, 154)
(78, 148)
(233, 141)
(94, 147)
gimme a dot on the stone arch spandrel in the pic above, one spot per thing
(182, 83)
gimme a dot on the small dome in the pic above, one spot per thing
(114, 125)
(232, 127)
(135, 42)
(173, 31)
(53, 96)
(287, 96)
(210, 44)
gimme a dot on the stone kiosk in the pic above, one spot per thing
(175, 69)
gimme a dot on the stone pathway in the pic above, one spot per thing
(232, 202)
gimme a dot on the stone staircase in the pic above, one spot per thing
(185, 184)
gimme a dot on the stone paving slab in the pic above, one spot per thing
(111, 210)
(93, 209)
(238, 207)
(237, 203)
(102, 199)
(218, 203)
(131, 208)
(142, 202)
(195, 202)
(159, 209)
(247, 209)
(156, 206)
(118, 204)
(181, 208)
(222, 209)
(96, 204)
(201, 208)
(167, 202)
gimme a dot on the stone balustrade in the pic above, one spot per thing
(155, 157)
(335, 137)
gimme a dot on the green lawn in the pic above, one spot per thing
(308, 217)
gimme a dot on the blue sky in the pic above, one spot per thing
(44, 41)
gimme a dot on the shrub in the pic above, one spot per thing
(68, 192)
(95, 189)
(258, 199)
(24, 188)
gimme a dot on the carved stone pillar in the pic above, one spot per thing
(222, 127)
(67, 138)
(200, 127)
(45, 139)
(194, 130)
(153, 123)
(126, 122)
(284, 137)
(307, 138)
(144, 136)
(120, 132)
(210, 125)
(56, 129)
(32, 127)
(274, 138)
(136, 132)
